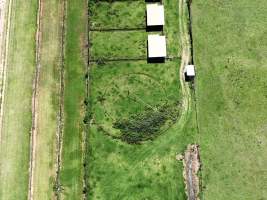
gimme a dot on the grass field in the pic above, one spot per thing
(149, 171)
(115, 45)
(71, 176)
(137, 117)
(119, 91)
(14, 155)
(110, 16)
(126, 43)
(230, 53)
(171, 27)
(119, 84)
(48, 100)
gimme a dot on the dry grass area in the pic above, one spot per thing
(14, 152)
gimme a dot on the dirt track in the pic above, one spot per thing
(191, 158)
(185, 57)
(61, 103)
(35, 105)
(191, 163)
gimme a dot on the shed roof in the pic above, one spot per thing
(155, 14)
(190, 70)
(156, 46)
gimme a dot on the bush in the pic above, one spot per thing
(147, 125)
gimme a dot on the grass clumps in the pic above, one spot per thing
(117, 15)
(117, 45)
(148, 124)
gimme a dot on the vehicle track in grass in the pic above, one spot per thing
(5, 18)
(185, 60)
(35, 102)
(59, 133)
(192, 181)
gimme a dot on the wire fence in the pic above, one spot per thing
(102, 61)
(113, 1)
(117, 29)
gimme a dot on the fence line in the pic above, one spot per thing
(102, 61)
(117, 29)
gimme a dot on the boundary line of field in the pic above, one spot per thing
(189, 7)
(60, 131)
(4, 71)
(35, 103)
(127, 59)
(188, 58)
(86, 132)
(117, 29)
(113, 1)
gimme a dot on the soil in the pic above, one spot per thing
(191, 164)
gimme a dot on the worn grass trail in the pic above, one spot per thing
(35, 94)
(185, 58)
(46, 101)
(16, 126)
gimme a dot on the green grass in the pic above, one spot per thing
(48, 100)
(171, 28)
(14, 154)
(75, 65)
(144, 86)
(129, 44)
(230, 48)
(149, 171)
(122, 90)
(118, 44)
(116, 15)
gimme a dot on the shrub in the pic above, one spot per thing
(147, 125)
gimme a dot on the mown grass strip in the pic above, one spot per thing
(16, 127)
(71, 176)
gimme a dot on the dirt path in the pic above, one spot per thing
(5, 18)
(35, 104)
(61, 103)
(191, 164)
(185, 57)
(191, 158)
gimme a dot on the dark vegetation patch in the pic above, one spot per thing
(148, 124)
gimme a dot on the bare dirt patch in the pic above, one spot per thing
(191, 162)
